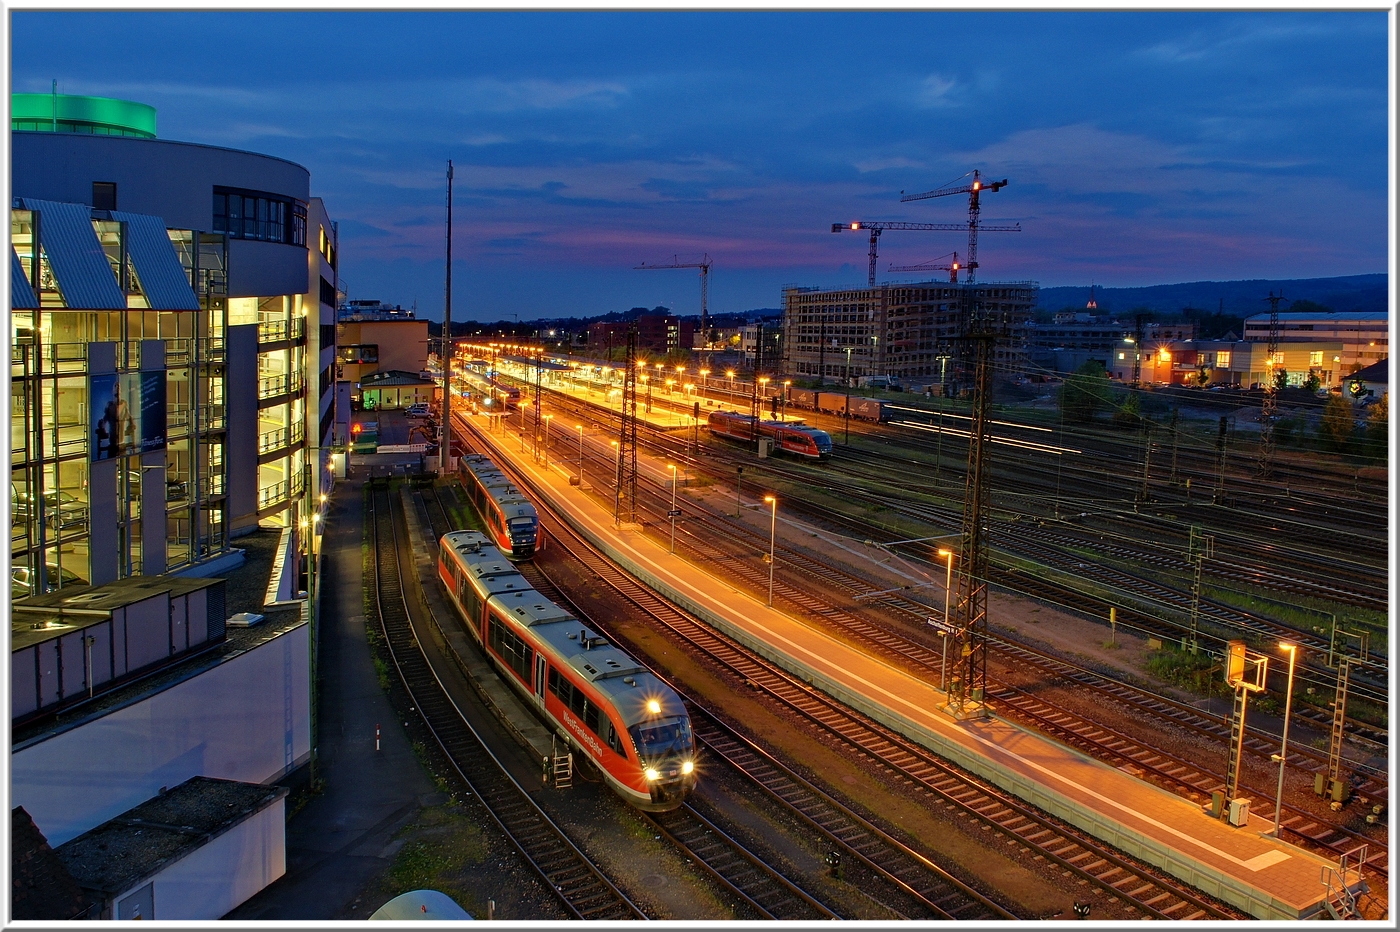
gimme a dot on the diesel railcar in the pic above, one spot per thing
(511, 519)
(628, 723)
(799, 440)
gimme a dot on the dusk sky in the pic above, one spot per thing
(1141, 148)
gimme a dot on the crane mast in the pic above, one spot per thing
(974, 211)
(876, 227)
(704, 266)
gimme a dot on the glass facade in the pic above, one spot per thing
(56, 511)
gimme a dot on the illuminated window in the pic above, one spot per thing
(258, 215)
(1315, 359)
(1121, 356)
(1222, 359)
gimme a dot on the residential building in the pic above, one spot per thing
(906, 330)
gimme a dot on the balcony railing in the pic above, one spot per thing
(273, 386)
(272, 331)
(281, 437)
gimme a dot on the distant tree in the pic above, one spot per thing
(1128, 413)
(1085, 393)
(1378, 427)
(1280, 378)
(1313, 383)
(1338, 423)
(1304, 306)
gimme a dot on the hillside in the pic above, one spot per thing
(1239, 298)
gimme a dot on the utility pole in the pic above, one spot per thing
(627, 441)
(1269, 410)
(445, 451)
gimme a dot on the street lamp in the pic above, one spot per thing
(848, 396)
(730, 373)
(947, 619)
(787, 390)
(1282, 755)
(547, 419)
(672, 467)
(580, 456)
(523, 405)
(703, 374)
(772, 539)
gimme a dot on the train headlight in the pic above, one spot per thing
(653, 707)
(688, 766)
(651, 773)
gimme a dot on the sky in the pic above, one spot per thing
(1140, 147)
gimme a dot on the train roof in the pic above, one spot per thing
(612, 671)
(485, 562)
(501, 488)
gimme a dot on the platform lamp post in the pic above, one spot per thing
(524, 404)
(703, 374)
(730, 374)
(672, 467)
(772, 541)
(580, 456)
(1282, 756)
(947, 613)
(787, 390)
(547, 419)
(848, 396)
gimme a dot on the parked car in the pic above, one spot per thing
(417, 410)
(62, 510)
(20, 582)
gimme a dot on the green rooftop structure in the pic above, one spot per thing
(65, 113)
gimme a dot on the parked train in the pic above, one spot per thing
(867, 409)
(807, 442)
(487, 392)
(629, 724)
(511, 519)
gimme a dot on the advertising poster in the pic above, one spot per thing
(128, 413)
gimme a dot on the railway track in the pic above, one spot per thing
(1188, 780)
(582, 889)
(1134, 885)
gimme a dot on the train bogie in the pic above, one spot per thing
(628, 724)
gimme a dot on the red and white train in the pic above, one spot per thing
(807, 442)
(629, 724)
(508, 515)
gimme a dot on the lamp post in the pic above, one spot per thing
(787, 389)
(730, 373)
(523, 405)
(547, 419)
(947, 619)
(703, 374)
(580, 456)
(772, 540)
(1282, 756)
(763, 393)
(848, 396)
(672, 467)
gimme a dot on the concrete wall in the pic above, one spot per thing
(246, 719)
(215, 878)
(172, 180)
(241, 450)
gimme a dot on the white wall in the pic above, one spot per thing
(217, 877)
(246, 719)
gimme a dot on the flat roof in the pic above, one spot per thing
(126, 850)
(53, 614)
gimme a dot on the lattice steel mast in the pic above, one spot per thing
(1269, 410)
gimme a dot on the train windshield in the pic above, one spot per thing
(663, 738)
(823, 441)
(522, 525)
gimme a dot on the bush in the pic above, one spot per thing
(1196, 672)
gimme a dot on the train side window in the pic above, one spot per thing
(590, 717)
(509, 647)
(577, 701)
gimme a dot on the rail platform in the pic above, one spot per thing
(1266, 878)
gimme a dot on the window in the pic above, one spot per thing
(355, 354)
(1222, 359)
(1315, 359)
(104, 195)
(258, 215)
(510, 648)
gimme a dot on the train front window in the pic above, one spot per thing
(663, 739)
(522, 526)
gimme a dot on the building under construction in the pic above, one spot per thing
(904, 330)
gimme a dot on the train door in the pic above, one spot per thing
(540, 664)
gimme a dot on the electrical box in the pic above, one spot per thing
(765, 447)
(1239, 811)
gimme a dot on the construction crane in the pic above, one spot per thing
(704, 266)
(974, 209)
(876, 227)
(933, 265)
(1269, 410)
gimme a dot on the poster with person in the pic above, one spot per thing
(128, 413)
